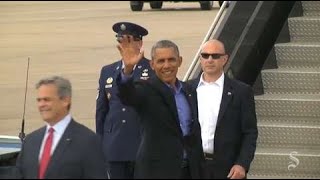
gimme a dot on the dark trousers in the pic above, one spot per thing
(212, 170)
(209, 168)
(121, 169)
(185, 170)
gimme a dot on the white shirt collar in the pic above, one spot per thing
(122, 67)
(60, 127)
(219, 81)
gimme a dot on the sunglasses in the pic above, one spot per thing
(213, 55)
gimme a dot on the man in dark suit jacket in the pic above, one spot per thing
(73, 151)
(227, 117)
(117, 124)
(171, 142)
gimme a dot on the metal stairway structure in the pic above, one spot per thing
(288, 112)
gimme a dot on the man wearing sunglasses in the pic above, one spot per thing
(226, 115)
(117, 124)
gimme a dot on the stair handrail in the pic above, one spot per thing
(208, 35)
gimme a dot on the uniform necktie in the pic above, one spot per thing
(46, 154)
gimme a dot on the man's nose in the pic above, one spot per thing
(41, 103)
(166, 64)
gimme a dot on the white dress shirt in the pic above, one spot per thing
(59, 129)
(209, 100)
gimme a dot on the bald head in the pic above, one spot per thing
(215, 44)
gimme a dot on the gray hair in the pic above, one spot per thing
(63, 85)
(164, 44)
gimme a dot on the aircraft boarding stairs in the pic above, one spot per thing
(288, 112)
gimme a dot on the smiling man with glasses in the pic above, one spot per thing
(226, 115)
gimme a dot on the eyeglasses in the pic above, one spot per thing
(213, 55)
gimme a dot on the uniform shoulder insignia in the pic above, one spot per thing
(109, 80)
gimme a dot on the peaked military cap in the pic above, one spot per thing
(127, 28)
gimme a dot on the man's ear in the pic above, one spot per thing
(152, 64)
(141, 44)
(66, 101)
(226, 58)
(180, 61)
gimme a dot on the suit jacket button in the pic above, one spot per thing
(123, 109)
(123, 121)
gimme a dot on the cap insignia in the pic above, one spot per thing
(123, 27)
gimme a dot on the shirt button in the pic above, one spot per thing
(123, 109)
(123, 121)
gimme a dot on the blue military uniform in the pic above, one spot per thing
(118, 125)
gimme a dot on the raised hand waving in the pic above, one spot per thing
(130, 51)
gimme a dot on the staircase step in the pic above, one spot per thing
(311, 8)
(285, 163)
(294, 121)
(288, 114)
(291, 80)
(288, 105)
(293, 55)
(304, 29)
(285, 136)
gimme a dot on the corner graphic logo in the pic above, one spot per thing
(294, 161)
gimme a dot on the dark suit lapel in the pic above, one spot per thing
(36, 150)
(169, 100)
(191, 95)
(226, 97)
(65, 140)
(194, 86)
(194, 83)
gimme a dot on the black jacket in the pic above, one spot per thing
(236, 131)
(160, 153)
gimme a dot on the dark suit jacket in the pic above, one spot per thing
(160, 153)
(236, 131)
(117, 124)
(78, 155)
